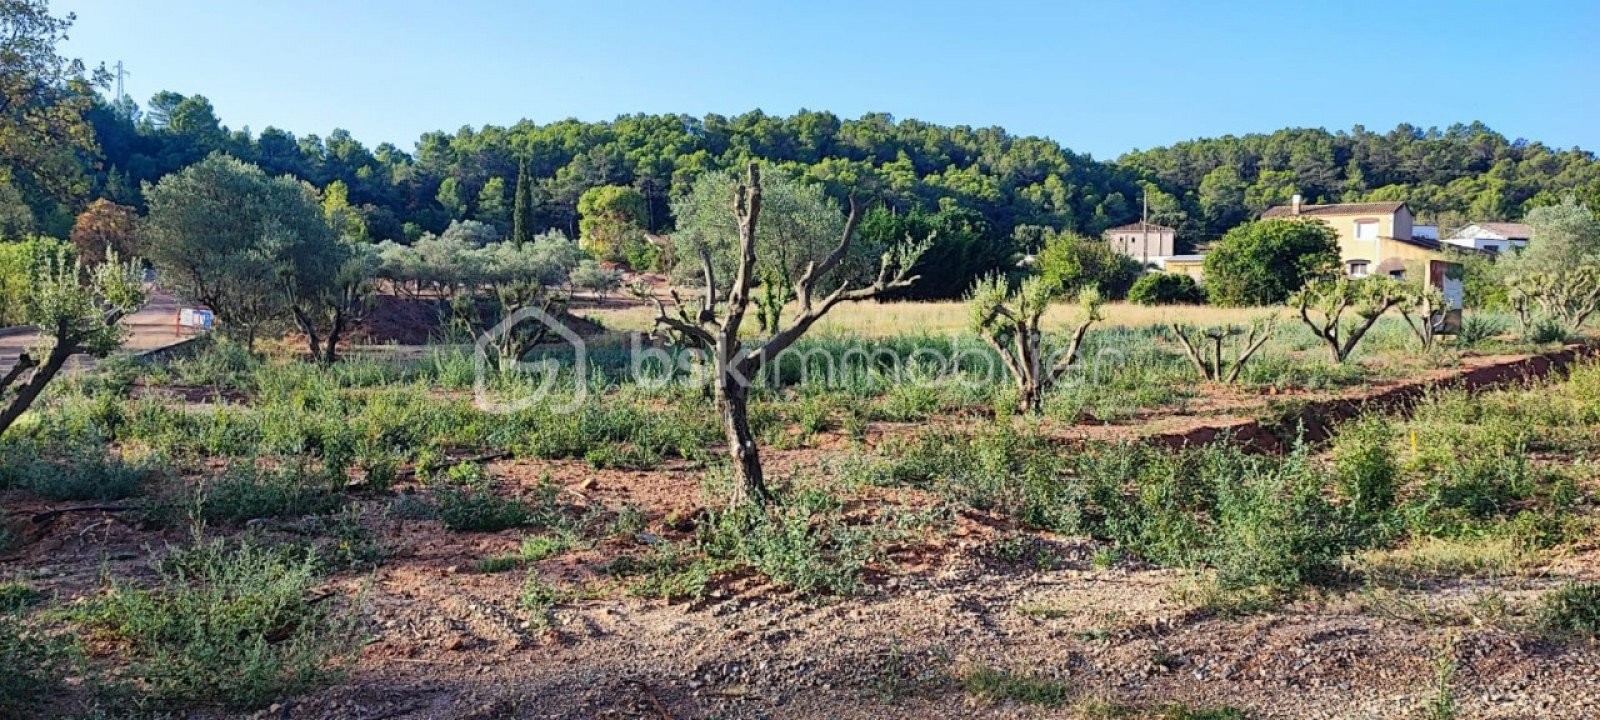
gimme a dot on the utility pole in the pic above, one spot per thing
(1144, 225)
(121, 73)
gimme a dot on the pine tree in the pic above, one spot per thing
(522, 208)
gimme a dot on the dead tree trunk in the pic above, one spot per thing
(714, 326)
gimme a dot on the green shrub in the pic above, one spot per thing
(16, 595)
(1258, 520)
(533, 549)
(1546, 330)
(1571, 611)
(792, 546)
(1274, 527)
(227, 623)
(669, 571)
(473, 509)
(245, 491)
(1018, 472)
(469, 503)
(1478, 329)
(1165, 289)
(87, 471)
(37, 666)
(1364, 468)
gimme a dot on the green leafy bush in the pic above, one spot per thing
(245, 491)
(87, 471)
(1165, 289)
(812, 553)
(1264, 262)
(469, 503)
(1364, 467)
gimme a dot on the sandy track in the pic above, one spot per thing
(148, 329)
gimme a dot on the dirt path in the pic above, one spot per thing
(148, 329)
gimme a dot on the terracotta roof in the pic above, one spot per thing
(1508, 230)
(1140, 227)
(1371, 208)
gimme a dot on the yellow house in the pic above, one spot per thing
(1374, 237)
(1192, 265)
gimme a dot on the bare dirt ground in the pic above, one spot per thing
(446, 641)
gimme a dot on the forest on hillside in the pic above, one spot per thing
(1203, 187)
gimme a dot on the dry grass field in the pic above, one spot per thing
(879, 320)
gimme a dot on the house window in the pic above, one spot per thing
(1491, 247)
(1366, 229)
(1357, 268)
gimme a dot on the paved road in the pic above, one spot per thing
(148, 329)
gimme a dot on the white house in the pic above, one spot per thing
(1492, 236)
(1143, 241)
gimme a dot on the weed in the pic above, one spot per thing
(16, 595)
(1364, 468)
(246, 491)
(1425, 558)
(534, 548)
(87, 472)
(1442, 704)
(1570, 611)
(1024, 550)
(669, 572)
(474, 509)
(229, 623)
(470, 504)
(37, 666)
(809, 553)
(540, 597)
(997, 685)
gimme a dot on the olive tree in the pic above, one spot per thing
(799, 224)
(77, 310)
(224, 234)
(1010, 322)
(1204, 347)
(1341, 311)
(714, 324)
(1569, 296)
(1420, 305)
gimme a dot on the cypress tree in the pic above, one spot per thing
(522, 208)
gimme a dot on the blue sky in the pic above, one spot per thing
(1102, 77)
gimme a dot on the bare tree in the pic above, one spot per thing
(714, 326)
(1213, 365)
(1010, 323)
